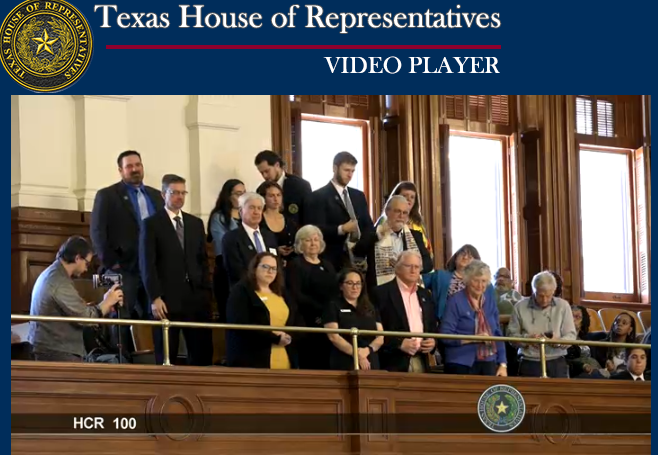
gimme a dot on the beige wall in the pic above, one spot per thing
(64, 148)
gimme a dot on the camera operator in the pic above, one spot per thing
(55, 295)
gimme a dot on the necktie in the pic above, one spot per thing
(180, 231)
(143, 205)
(259, 244)
(354, 236)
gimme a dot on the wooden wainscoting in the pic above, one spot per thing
(36, 235)
(204, 393)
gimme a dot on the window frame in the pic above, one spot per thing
(611, 297)
(365, 158)
(512, 262)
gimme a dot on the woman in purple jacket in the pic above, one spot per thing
(473, 311)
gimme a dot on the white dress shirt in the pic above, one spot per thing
(282, 180)
(339, 190)
(635, 377)
(250, 233)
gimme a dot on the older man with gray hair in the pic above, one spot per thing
(391, 238)
(543, 315)
(406, 307)
(241, 245)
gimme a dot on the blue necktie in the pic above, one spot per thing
(143, 205)
(259, 244)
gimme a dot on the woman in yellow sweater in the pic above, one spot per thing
(410, 193)
(259, 300)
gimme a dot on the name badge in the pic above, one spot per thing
(345, 311)
(273, 251)
(263, 299)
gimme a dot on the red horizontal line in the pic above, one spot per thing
(301, 46)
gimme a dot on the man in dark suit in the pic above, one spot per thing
(340, 212)
(393, 236)
(636, 365)
(174, 264)
(116, 220)
(295, 189)
(406, 307)
(241, 245)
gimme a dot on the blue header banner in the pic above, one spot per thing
(419, 47)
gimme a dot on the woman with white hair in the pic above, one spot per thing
(543, 315)
(473, 311)
(313, 284)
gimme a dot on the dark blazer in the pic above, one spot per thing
(598, 353)
(115, 226)
(249, 348)
(366, 248)
(388, 300)
(168, 271)
(239, 251)
(295, 191)
(626, 376)
(312, 286)
(326, 210)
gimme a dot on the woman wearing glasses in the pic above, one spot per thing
(353, 310)
(223, 218)
(259, 300)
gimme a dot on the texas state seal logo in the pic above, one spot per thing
(501, 408)
(46, 46)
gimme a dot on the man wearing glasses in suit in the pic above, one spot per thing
(174, 263)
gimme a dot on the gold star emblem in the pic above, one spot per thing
(44, 43)
(502, 409)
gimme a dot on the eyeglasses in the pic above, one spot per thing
(177, 193)
(411, 266)
(269, 268)
(353, 284)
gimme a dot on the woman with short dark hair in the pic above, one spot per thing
(259, 300)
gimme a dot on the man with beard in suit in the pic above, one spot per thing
(295, 189)
(241, 245)
(174, 263)
(340, 212)
(116, 220)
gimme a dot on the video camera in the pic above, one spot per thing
(107, 280)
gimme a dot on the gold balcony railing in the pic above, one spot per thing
(354, 333)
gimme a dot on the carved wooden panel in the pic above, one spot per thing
(379, 398)
(36, 235)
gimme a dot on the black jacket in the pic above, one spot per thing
(249, 348)
(388, 300)
(295, 191)
(168, 270)
(326, 210)
(626, 376)
(115, 227)
(239, 250)
(366, 248)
